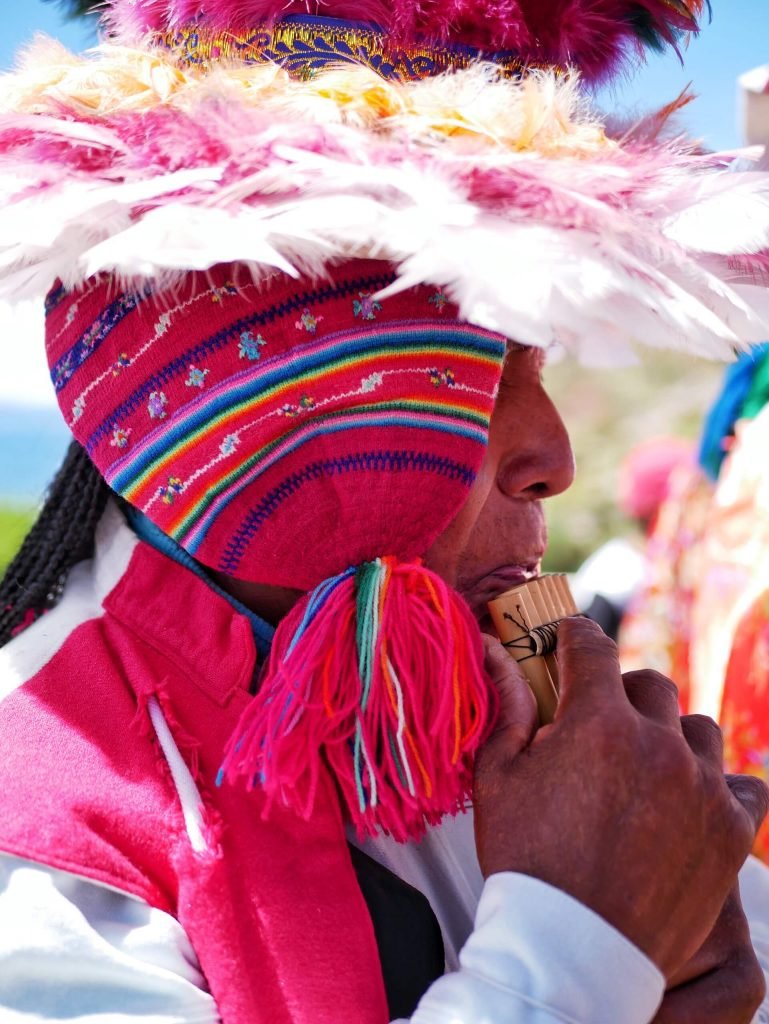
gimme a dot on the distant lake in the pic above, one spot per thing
(32, 445)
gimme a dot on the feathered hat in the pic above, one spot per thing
(288, 250)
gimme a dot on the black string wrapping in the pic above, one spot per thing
(536, 642)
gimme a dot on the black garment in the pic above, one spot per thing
(606, 613)
(407, 934)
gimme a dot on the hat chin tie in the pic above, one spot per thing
(377, 676)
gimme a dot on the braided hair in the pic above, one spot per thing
(62, 536)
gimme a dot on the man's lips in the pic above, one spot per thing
(498, 581)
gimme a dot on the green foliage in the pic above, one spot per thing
(14, 525)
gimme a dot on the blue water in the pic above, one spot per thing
(32, 445)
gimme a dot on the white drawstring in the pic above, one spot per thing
(187, 790)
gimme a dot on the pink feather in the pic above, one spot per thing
(595, 35)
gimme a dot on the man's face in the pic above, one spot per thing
(498, 538)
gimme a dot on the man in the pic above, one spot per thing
(321, 481)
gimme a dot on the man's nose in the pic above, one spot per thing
(537, 461)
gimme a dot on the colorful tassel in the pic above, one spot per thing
(378, 674)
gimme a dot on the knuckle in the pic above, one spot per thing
(651, 677)
(703, 724)
(579, 632)
(752, 793)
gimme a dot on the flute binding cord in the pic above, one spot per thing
(537, 640)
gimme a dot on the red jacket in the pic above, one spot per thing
(273, 909)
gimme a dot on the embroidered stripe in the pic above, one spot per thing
(66, 367)
(194, 526)
(218, 408)
(224, 337)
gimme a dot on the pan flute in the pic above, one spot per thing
(526, 619)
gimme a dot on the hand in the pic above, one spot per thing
(723, 982)
(610, 803)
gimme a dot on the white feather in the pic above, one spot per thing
(730, 216)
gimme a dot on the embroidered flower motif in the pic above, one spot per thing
(164, 322)
(219, 294)
(89, 340)
(447, 377)
(306, 403)
(63, 371)
(308, 322)
(168, 494)
(120, 365)
(78, 408)
(120, 437)
(365, 306)
(371, 383)
(250, 346)
(197, 378)
(229, 444)
(439, 300)
(157, 405)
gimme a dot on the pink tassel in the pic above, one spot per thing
(378, 674)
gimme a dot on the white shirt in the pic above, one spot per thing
(79, 952)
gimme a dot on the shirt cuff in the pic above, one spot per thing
(538, 956)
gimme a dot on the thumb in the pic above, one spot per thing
(517, 706)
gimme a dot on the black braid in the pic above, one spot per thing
(62, 536)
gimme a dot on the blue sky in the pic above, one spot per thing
(737, 40)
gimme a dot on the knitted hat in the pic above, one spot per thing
(251, 421)
(289, 252)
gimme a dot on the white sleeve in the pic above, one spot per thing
(75, 952)
(537, 956)
(754, 889)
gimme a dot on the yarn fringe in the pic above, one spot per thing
(377, 675)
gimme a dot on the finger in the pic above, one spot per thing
(729, 995)
(730, 937)
(588, 668)
(705, 738)
(517, 706)
(654, 696)
(753, 794)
